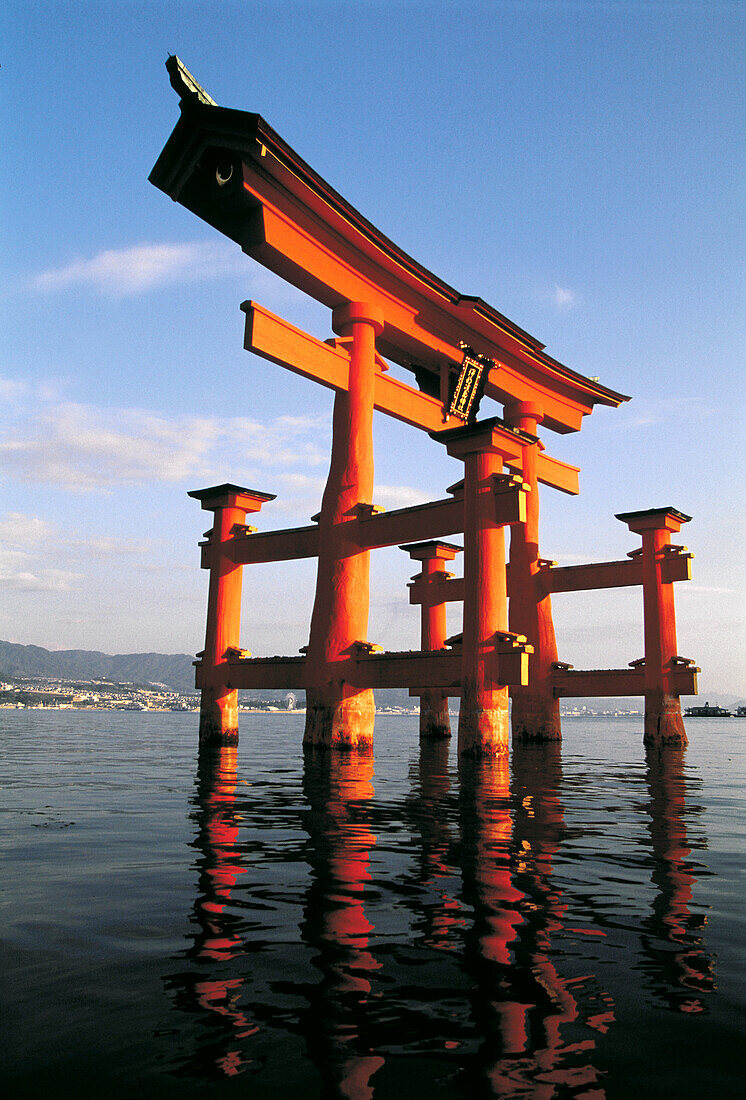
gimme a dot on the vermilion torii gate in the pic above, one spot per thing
(231, 169)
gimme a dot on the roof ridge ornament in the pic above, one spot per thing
(188, 89)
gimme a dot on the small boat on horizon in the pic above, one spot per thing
(711, 712)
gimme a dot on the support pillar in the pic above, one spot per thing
(484, 723)
(663, 721)
(535, 712)
(434, 719)
(338, 714)
(218, 716)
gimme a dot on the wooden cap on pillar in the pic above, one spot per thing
(434, 548)
(365, 312)
(486, 435)
(231, 496)
(523, 410)
(654, 519)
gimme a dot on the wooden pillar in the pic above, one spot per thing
(338, 714)
(427, 590)
(218, 718)
(535, 712)
(663, 721)
(484, 723)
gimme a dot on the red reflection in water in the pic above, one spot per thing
(338, 786)
(522, 1005)
(217, 778)
(679, 975)
(437, 843)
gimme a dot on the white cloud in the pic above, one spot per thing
(82, 448)
(44, 580)
(301, 483)
(106, 546)
(17, 529)
(125, 271)
(11, 390)
(399, 496)
(286, 441)
(564, 298)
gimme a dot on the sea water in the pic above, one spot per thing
(260, 923)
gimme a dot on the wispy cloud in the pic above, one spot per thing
(564, 298)
(11, 390)
(45, 580)
(23, 541)
(399, 496)
(20, 530)
(38, 556)
(82, 448)
(127, 271)
(107, 546)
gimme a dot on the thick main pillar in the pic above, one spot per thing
(427, 591)
(663, 721)
(218, 716)
(535, 712)
(484, 723)
(338, 714)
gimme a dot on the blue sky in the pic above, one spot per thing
(579, 165)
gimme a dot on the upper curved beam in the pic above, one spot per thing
(231, 169)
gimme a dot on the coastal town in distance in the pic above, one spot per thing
(60, 693)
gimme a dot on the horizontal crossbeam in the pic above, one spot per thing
(432, 520)
(289, 544)
(576, 683)
(275, 339)
(506, 659)
(611, 574)
(437, 591)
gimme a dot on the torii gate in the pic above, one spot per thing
(231, 169)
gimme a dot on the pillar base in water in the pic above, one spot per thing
(335, 721)
(435, 723)
(535, 718)
(663, 722)
(484, 724)
(218, 717)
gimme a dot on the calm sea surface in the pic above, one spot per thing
(257, 924)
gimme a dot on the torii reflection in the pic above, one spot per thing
(679, 969)
(441, 916)
(538, 1029)
(485, 851)
(219, 940)
(337, 787)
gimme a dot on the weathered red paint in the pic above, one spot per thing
(338, 713)
(427, 590)
(663, 721)
(218, 721)
(535, 711)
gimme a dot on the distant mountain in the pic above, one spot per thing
(174, 670)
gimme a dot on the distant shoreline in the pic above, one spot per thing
(264, 710)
